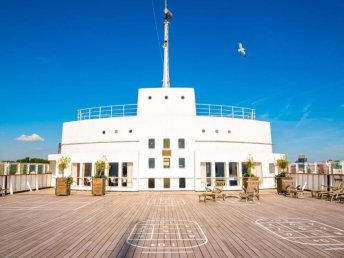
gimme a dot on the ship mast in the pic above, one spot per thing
(166, 74)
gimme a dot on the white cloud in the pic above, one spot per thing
(30, 138)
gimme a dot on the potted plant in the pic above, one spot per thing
(63, 183)
(282, 179)
(248, 175)
(98, 180)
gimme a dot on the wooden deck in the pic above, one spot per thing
(168, 224)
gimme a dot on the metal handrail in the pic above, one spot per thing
(225, 111)
(131, 110)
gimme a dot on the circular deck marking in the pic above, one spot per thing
(181, 236)
(304, 231)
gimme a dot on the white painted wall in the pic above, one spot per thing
(125, 139)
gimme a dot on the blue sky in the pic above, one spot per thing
(59, 56)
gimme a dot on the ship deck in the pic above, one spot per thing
(168, 224)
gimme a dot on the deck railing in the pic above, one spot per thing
(131, 110)
(225, 111)
(107, 111)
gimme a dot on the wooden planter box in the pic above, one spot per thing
(283, 183)
(62, 188)
(98, 186)
(245, 181)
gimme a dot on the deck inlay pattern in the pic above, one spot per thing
(168, 224)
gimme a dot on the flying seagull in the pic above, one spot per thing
(241, 49)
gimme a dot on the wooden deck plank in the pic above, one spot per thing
(81, 225)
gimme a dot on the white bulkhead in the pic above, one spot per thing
(198, 148)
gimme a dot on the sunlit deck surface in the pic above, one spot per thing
(168, 224)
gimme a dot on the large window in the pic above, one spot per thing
(113, 174)
(151, 183)
(87, 169)
(181, 143)
(166, 143)
(124, 173)
(219, 169)
(272, 168)
(166, 162)
(233, 173)
(151, 143)
(208, 173)
(167, 182)
(182, 182)
(151, 163)
(181, 162)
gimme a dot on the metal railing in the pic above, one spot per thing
(131, 110)
(107, 111)
(225, 111)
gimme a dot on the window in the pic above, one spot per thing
(130, 131)
(271, 168)
(151, 163)
(113, 174)
(181, 143)
(167, 182)
(203, 130)
(87, 169)
(208, 173)
(124, 173)
(233, 173)
(166, 162)
(151, 143)
(151, 183)
(182, 182)
(166, 97)
(219, 169)
(103, 132)
(181, 162)
(166, 143)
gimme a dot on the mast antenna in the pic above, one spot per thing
(166, 72)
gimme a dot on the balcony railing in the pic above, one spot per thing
(225, 111)
(107, 111)
(201, 110)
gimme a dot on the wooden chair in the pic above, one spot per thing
(332, 189)
(216, 192)
(296, 191)
(251, 191)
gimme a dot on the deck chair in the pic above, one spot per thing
(332, 189)
(296, 191)
(251, 191)
(334, 195)
(216, 192)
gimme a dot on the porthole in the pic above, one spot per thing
(150, 97)
(103, 132)
(116, 131)
(229, 131)
(183, 97)
(203, 130)
(130, 131)
(216, 131)
(166, 97)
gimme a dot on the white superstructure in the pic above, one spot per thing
(166, 141)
